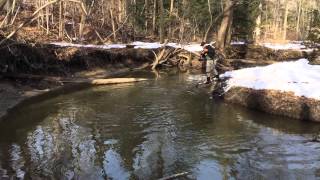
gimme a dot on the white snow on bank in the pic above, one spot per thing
(189, 47)
(298, 77)
(238, 43)
(106, 46)
(296, 45)
(193, 47)
(146, 45)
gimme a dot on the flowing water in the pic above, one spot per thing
(151, 130)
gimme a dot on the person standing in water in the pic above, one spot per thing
(208, 55)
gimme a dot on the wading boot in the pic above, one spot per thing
(208, 80)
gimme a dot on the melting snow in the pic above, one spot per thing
(193, 47)
(106, 46)
(296, 45)
(298, 77)
(238, 43)
(146, 45)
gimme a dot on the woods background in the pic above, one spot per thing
(104, 21)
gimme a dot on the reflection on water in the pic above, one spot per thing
(150, 130)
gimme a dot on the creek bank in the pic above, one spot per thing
(28, 71)
(275, 102)
(288, 89)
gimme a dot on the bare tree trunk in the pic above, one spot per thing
(285, 22)
(257, 31)
(182, 23)
(120, 17)
(38, 17)
(303, 23)
(161, 24)
(47, 18)
(82, 23)
(146, 14)
(276, 20)
(205, 38)
(223, 30)
(298, 19)
(61, 21)
(154, 16)
(113, 25)
(170, 16)
(41, 13)
(229, 29)
(267, 28)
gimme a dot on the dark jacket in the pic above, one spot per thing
(211, 52)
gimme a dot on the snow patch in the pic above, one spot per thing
(295, 45)
(238, 43)
(146, 45)
(298, 77)
(106, 46)
(193, 47)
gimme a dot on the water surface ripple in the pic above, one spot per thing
(150, 130)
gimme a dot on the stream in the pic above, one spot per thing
(150, 130)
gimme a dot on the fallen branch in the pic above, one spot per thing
(158, 58)
(115, 81)
(175, 176)
(170, 54)
(15, 16)
(78, 81)
(99, 36)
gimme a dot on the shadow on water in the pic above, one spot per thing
(153, 129)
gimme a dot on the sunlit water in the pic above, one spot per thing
(151, 130)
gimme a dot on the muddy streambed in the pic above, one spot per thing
(150, 130)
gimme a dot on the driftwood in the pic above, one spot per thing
(175, 176)
(114, 81)
(78, 81)
(158, 57)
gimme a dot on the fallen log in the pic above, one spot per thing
(157, 58)
(76, 80)
(175, 176)
(115, 81)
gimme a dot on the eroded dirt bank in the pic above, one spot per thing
(275, 102)
(28, 71)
